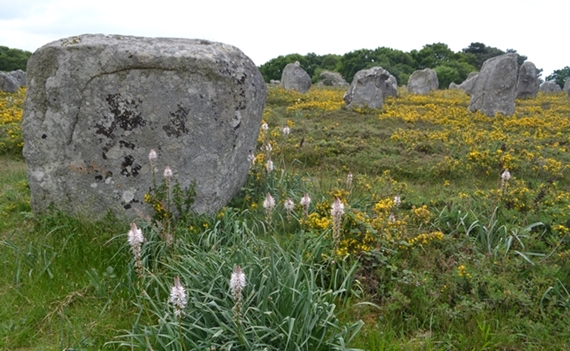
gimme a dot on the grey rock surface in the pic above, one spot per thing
(96, 105)
(527, 82)
(8, 83)
(423, 81)
(332, 79)
(369, 87)
(294, 77)
(495, 85)
(20, 77)
(567, 86)
(549, 86)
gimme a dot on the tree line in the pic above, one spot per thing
(13, 59)
(450, 66)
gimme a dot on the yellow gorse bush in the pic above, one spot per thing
(11, 110)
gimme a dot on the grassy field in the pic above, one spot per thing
(415, 238)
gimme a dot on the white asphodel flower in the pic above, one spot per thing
(269, 166)
(167, 173)
(135, 236)
(264, 126)
(397, 200)
(269, 202)
(305, 202)
(286, 130)
(178, 296)
(152, 156)
(337, 209)
(237, 283)
(506, 175)
(289, 204)
(349, 180)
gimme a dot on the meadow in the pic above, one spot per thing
(418, 226)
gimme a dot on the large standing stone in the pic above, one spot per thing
(549, 86)
(527, 83)
(332, 79)
(369, 87)
(494, 89)
(96, 105)
(8, 83)
(567, 86)
(294, 77)
(423, 81)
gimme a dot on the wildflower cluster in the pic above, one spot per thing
(11, 110)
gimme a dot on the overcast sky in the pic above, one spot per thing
(266, 29)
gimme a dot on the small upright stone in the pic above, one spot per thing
(8, 83)
(567, 86)
(294, 77)
(527, 82)
(331, 79)
(369, 87)
(20, 77)
(549, 86)
(96, 105)
(495, 85)
(423, 81)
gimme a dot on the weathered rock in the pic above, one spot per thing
(8, 83)
(469, 84)
(331, 79)
(369, 87)
(549, 86)
(567, 86)
(96, 105)
(527, 82)
(423, 81)
(295, 78)
(274, 81)
(495, 86)
(20, 77)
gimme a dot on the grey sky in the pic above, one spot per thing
(266, 29)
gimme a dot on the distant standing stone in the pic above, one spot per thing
(369, 87)
(567, 86)
(549, 86)
(8, 83)
(527, 82)
(423, 81)
(332, 79)
(96, 105)
(20, 77)
(294, 77)
(494, 89)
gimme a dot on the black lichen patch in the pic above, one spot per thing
(129, 167)
(177, 122)
(124, 115)
(127, 144)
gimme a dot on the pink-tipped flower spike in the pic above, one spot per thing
(305, 202)
(505, 180)
(289, 205)
(349, 180)
(337, 211)
(237, 284)
(269, 205)
(136, 239)
(269, 166)
(167, 173)
(152, 156)
(178, 297)
(397, 200)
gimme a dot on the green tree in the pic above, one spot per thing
(560, 76)
(480, 53)
(433, 55)
(13, 59)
